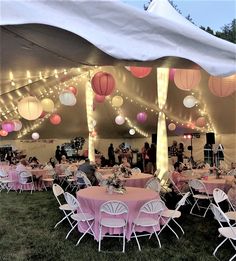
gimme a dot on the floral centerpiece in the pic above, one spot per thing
(115, 184)
(125, 171)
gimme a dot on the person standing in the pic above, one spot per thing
(174, 152)
(151, 165)
(180, 153)
(111, 155)
(58, 154)
(63, 151)
(145, 157)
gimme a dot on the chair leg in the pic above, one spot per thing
(178, 225)
(159, 242)
(89, 228)
(71, 230)
(100, 238)
(214, 253)
(65, 217)
(123, 239)
(207, 210)
(139, 248)
(232, 258)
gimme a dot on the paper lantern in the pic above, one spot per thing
(99, 98)
(187, 79)
(30, 108)
(132, 132)
(73, 90)
(141, 117)
(172, 74)
(222, 86)
(201, 122)
(140, 72)
(172, 126)
(3, 133)
(67, 98)
(35, 136)
(117, 101)
(43, 114)
(119, 120)
(189, 101)
(48, 105)
(17, 125)
(8, 126)
(103, 83)
(55, 119)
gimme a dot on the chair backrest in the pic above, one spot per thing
(156, 173)
(114, 207)
(154, 185)
(72, 201)
(176, 189)
(182, 200)
(153, 207)
(197, 185)
(57, 190)
(220, 196)
(82, 179)
(219, 215)
(25, 177)
(165, 177)
(136, 170)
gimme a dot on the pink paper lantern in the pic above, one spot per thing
(140, 72)
(141, 117)
(55, 119)
(201, 122)
(17, 125)
(3, 133)
(73, 89)
(43, 114)
(8, 126)
(99, 98)
(172, 74)
(222, 86)
(186, 80)
(103, 83)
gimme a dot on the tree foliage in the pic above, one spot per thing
(228, 31)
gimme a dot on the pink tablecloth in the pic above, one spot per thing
(92, 198)
(223, 183)
(105, 171)
(135, 180)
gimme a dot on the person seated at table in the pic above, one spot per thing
(125, 163)
(232, 192)
(52, 162)
(21, 166)
(63, 159)
(89, 170)
(34, 162)
(178, 178)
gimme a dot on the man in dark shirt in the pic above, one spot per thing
(89, 170)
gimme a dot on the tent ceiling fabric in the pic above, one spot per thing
(54, 44)
(127, 33)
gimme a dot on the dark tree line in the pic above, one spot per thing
(228, 31)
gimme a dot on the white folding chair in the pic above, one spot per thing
(48, 177)
(25, 179)
(170, 215)
(229, 232)
(82, 179)
(5, 181)
(79, 216)
(102, 182)
(58, 191)
(220, 196)
(195, 186)
(135, 170)
(118, 212)
(154, 185)
(152, 211)
(156, 173)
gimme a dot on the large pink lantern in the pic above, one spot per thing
(99, 98)
(222, 86)
(17, 125)
(201, 122)
(55, 119)
(73, 89)
(187, 79)
(8, 126)
(103, 83)
(140, 72)
(3, 133)
(141, 117)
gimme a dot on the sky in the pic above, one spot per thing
(212, 13)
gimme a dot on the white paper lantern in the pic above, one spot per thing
(67, 98)
(48, 105)
(119, 120)
(132, 131)
(172, 126)
(35, 136)
(30, 108)
(117, 101)
(17, 125)
(189, 101)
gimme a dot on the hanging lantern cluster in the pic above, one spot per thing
(103, 83)
(8, 126)
(30, 108)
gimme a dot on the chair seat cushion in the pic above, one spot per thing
(171, 213)
(112, 222)
(65, 207)
(228, 232)
(82, 217)
(146, 221)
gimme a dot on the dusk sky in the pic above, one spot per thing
(212, 13)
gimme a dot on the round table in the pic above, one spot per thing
(105, 171)
(138, 180)
(211, 182)
(92, 198)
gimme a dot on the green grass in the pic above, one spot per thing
(27, 233)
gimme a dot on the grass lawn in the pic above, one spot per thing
(27, 233)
